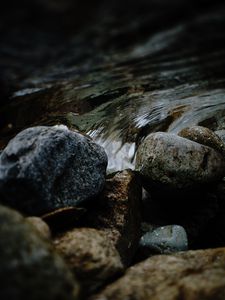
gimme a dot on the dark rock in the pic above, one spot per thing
(175, 162)
(29, 266)
(187, 275)
(165, 239)
(45, 168)
(63, 218)
(119, 213)
(193, 209)
(204, 136)
(91, 255)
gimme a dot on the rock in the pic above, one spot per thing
(91, 256)
(40, 226)
(46, 168)
(165, 239)
(190, 275)
(118, 213)
(204, 136)
(64, 218)
(174, 162)
(29, 266)
(221, 134)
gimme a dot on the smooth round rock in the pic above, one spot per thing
(46, 168)
(30, 269)
(175, 162)
(204, 136)
(165, 239)
(40, 226)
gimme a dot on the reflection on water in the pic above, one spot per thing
(171, 78)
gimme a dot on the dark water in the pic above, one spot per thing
(117, 73)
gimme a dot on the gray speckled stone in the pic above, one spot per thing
(30, 269)
(165, 239)
(45, 168)
(176, 162)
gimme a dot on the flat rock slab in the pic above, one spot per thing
(190, 275)
(91, 256)
(45, 168)
(29, 266)
(175, 162)
(119, 213)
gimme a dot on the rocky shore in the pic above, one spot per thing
(69, 231)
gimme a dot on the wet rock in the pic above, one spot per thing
(175, 162)
(40, 226)
(221, 134)
(165, 239)
(28, 264)
(45, 168)
(188, 275)
(118, 213)
(204, 136)
(91, 255)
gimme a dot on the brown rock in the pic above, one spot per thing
(175, 162)
(204, 136)
(191, 275)
(118, 213)
(40, 226)
(91, 255)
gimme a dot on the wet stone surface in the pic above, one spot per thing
(177, 163)
(45, 168)
(165, 239)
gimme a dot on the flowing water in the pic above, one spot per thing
(121, 78)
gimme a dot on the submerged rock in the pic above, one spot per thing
(188, 275)
(176, 162)
(29, 267)
(165, 239)
(45, 168)
(91, 255)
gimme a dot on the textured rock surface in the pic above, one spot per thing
(176, 162)
(28, 264)
(91, 255)
(204, 136)
(165, 239)
(118, 213)
(45, 168)
(190, 275)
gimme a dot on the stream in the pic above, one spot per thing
(118, 75)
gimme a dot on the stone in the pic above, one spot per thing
(173, 162)
(40, 226)
(91, 255)
(46, 168)
(204, 136)
(190, 275)
(164, 239)
(29, 266)
(221, 134)
(118, 213)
